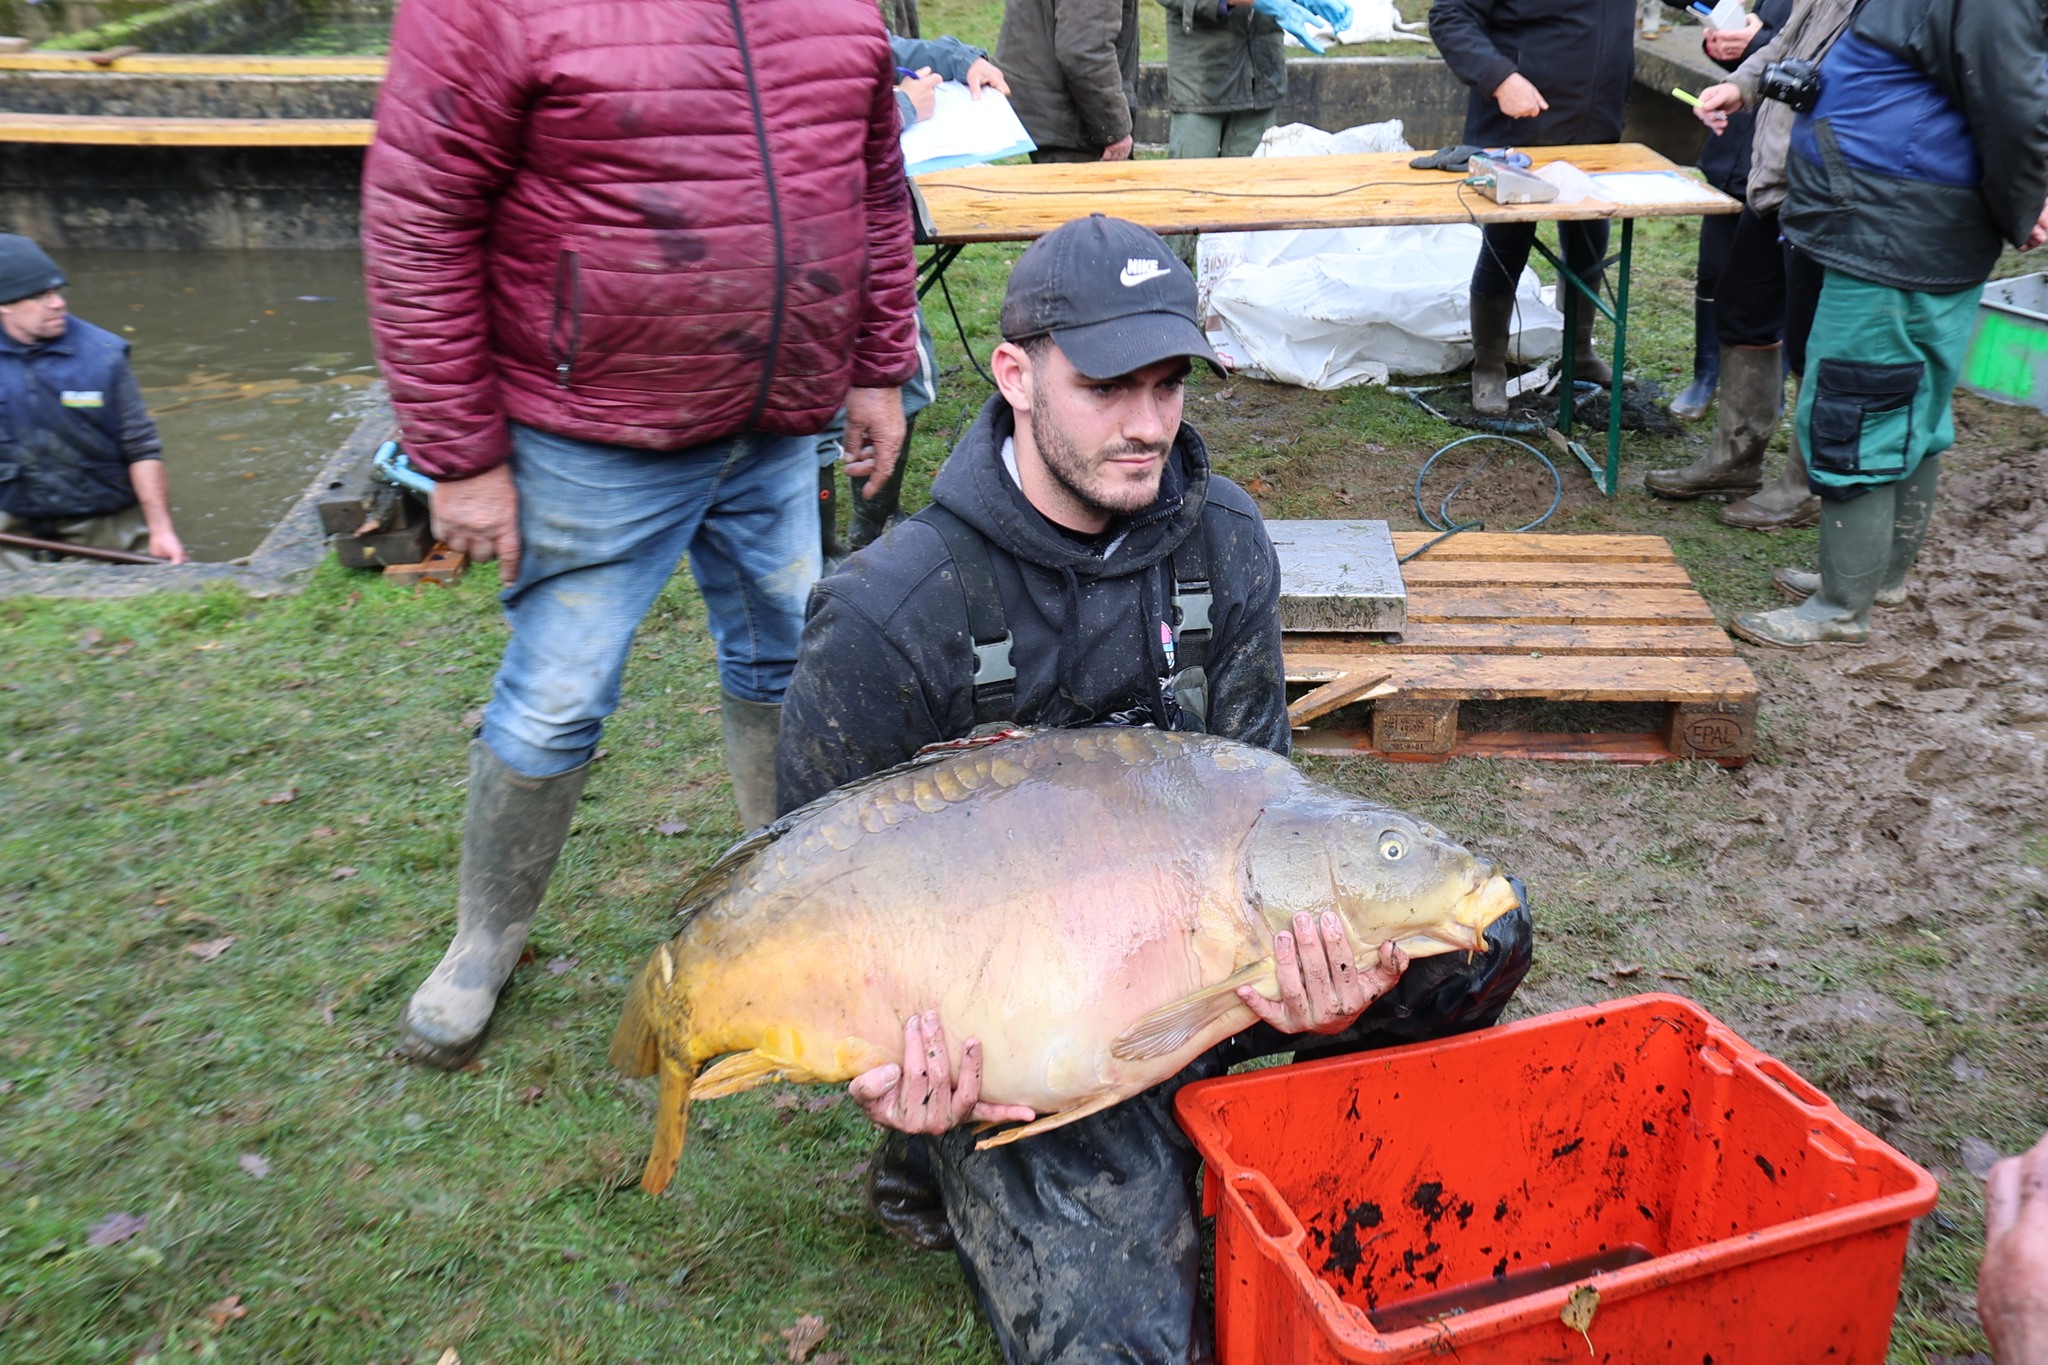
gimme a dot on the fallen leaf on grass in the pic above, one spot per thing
(256, 1164)
(323, 831)
(803, 1338)
(474, 1066)
(341, 874)
(115, 1229)
(1631, 969)
(448, 1357)
(211, 948)
(220, 1314)
(532, 1093)
(709, 710)
(671, 827)
(285, 797)
(472, 719)
(558, 966)
(89, 639)
(831, 1358)
(1257, 486)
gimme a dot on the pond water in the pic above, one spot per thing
(255, 364)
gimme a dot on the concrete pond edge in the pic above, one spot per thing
(278, 567)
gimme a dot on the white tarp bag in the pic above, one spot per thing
(1329, 307)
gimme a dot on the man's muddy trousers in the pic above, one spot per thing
(1083, 1244)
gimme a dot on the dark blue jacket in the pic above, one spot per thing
(1928, 148)
(71, 422)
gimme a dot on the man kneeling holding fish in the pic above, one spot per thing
(1139, 896)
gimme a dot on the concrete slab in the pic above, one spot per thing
(1339, 576)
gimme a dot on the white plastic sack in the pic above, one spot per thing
(1329, 307)
(1383, 301)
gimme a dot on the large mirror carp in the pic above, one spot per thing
(1086, 902)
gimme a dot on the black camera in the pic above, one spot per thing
(1793, 82)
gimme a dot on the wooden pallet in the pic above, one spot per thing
(1567, 618)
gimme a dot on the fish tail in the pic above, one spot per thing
(637, 1050)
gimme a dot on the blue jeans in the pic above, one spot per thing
(601, 529)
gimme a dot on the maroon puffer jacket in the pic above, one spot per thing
(647, 222)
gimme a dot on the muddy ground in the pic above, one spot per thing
(1868, 898)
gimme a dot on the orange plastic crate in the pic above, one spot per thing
(1445, 1200)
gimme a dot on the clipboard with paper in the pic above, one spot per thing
(964, 131)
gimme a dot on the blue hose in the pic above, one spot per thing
(391, 463)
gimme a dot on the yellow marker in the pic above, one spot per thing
(1693, 100)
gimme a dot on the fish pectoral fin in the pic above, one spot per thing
(736, 1072)
(1168, 1029)
(1050, 1121)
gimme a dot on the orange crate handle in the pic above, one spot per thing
(1265, 1212)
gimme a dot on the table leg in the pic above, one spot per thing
(1628, 236)
(932, 267)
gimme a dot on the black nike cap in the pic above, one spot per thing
(1112, 295)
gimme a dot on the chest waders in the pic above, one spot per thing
(995, 672)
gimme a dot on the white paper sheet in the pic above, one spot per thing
(1653, 187)
(964, 131)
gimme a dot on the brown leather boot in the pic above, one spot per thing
(1752, 379)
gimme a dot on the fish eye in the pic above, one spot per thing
(1392, 847)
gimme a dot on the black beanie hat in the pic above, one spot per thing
(25, 269)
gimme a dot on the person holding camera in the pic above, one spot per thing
(1765, 297)
(1725, 163)
(1543, 73)
(1924, 153)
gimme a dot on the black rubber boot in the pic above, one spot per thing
(872, 516)
(1492, 315)
(1586, 362)
(828, 516)
(752, 729)
(512, 833)
(1698, 396)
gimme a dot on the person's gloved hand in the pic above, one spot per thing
(1335, 13)
(1296, 18)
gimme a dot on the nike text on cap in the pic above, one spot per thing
(1112, 295)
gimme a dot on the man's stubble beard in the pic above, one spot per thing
(1066, 464)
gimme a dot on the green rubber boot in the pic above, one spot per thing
(1855, 554)
(872, 516)
(1752, 387)
(512, 832)
(752, 729)
(1914, 513)
(1784, 502)
(828, 516)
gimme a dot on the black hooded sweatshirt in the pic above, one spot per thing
(886, 664)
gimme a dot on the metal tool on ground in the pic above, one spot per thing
(65, 547)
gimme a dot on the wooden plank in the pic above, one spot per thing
(1564, 606)
(1451, 573)
(1537, 545)
(196, 64)
(1017, 203)
(111, 131)
(1619, 747)
(1632, 678)
(1305, 652)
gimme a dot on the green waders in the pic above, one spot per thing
(1882, 367)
